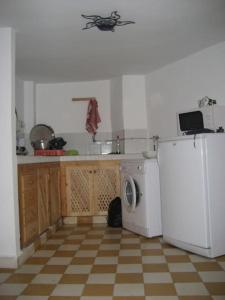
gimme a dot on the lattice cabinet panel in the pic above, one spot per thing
(106, 187)
(79, 190)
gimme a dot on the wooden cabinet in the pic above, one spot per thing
(54, 188)
(88, 187)
(28, 204)
(43, 198)
(39, 199)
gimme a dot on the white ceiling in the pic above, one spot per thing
(52, 47)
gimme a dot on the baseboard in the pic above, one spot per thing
(8, 262)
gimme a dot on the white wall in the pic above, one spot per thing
(134, 102)
(54, 105)
(19, 98)
(9, 223)
(180, 85)
(117, 113)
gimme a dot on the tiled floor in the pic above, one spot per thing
(101, 263)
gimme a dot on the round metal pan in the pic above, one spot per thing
(41, 132)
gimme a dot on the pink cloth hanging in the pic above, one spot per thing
(93, 117)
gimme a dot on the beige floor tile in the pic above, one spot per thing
(86, 253)
(195, 297)
(129, 278)
(222, 264)
(153, 259)
(96, 298)
(48, 247)
(39, 289)
(130, 241)
(68, 247)
(162, 298)
(185, 277)
(12, 289)
(23, 297)
(80, 237)
(103, 278)
(54, 242)
(112, 236)
(53, 269)
(155, 277)
(44, 253)
(191, 289)
(198, 258)
(78, 269)
(213, 276)
(127, 252)
(59, 261)
(74, 279)
(106, 260)
(4, 277)
(207, 266)
(20, 278)
(181, 267)
(29, 269)
(89, 247)
(128, 290)
(98, 290)
(47, 278)
(174, 251)
(159, 289)
(129, 268)
(146, 246)
(68, 290)
(130, 298)
(108, 247)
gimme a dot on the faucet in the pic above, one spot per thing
(155, 139)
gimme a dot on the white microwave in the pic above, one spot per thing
(206, 117)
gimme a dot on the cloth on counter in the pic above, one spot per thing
(93, 117)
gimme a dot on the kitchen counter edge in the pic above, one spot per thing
(29, 159)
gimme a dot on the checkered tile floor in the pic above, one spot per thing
(101, 263)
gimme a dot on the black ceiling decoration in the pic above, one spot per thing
(105, 24)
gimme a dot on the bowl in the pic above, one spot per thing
(149, 154)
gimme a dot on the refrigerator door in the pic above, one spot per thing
(183, 185)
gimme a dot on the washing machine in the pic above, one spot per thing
(141, 208)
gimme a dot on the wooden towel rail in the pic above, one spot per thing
(83, 99)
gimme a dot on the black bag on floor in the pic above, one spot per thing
(115, 213)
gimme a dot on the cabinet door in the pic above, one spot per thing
(79, 190)
(43, 198)
(28, 205)
(106, 186)
(54, 185)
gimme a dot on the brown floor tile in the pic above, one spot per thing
(129, 278)
(130, 298)
(98, 290)
(129, 260)
(82, 261)
(162, 289)
(195, 298)
(150, 252)
(155, 268)
(48, 247)
(104, 269)
(20, 278)
(6, 270)
(130, 236)
(63, 298)
(72, 242)
(108, 253)
(74, 279)
(8, 297)
(177, 258)
(207, 266)
(37, 261)
(52, 269)
(130, 246)
(165, 246)
(39, 289)
(216, 288)
(110, 241)
(149, 240)
(221, 258)
(94, 236)
(89, 247)
(64, 253)
(185, 277)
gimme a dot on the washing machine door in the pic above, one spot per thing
(130, 193)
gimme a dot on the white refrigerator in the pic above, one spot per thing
(192, 186)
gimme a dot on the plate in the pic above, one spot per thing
(41, 132)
